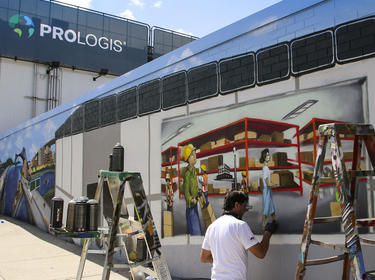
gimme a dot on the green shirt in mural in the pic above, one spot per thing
(190, 185)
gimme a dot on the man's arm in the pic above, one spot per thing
(206, 256)
(260, 250)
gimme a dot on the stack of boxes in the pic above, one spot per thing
(167, 223)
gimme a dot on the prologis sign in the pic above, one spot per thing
(18, 22)
(103, 42)
(71, 36)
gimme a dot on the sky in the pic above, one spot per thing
(194, 17)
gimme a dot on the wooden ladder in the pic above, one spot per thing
(346, 183)
(153, 262)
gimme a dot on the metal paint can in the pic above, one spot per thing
(57, 209)
(110, 162)
(70, 216)
(141, 249)
(92, 215)
(118, 158)
(80, 214)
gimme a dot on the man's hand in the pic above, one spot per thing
(193, 201)
(271, 227)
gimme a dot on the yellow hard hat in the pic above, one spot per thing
(203, 167)
(244, 173)
(187, 151)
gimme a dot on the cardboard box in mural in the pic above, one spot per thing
(266, 148)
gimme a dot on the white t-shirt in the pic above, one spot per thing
(228, 239)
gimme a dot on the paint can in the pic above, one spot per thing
(80, 214)
(118, 158)
(57, 209)
(141, 249)
(70, 216)
(92, 215)
(110, 162)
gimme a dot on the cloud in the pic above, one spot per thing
(9, 145)
(127, 14)
(49, 130)
(33, 150)
(28, 133)
(81, 3)
(137, 3)
(19, 143)
(157, 4)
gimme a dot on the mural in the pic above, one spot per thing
(27, 172)
(266, 148)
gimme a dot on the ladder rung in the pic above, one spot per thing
(367, 241)
(142, 263)
(120, 265)
(361, 173)
(326, 260)
(97, 252)
(370, 275)
(346, 129)
(366, 222)
(129, 234)
(330, 246)
(321, 220)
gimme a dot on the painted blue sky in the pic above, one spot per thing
(194, 17)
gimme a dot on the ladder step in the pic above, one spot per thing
(330, 246)
(101, 252)
(326, 260)
(346, 129)
(129, 234)
(120, 265)
(361, 173)
(370, 275)
(367, 222)
(367, 241)
(322, 220)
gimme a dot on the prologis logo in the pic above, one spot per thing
(18, 22)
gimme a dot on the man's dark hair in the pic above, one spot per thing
(263, 155)
(232, 197)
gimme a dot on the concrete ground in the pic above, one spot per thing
(27, 253)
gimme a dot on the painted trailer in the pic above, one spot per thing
(266, 81)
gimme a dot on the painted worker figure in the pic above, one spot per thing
(228, 240)
(268, 205)
(203, 180)
(169, 192)
(244, 182)
(191, 189)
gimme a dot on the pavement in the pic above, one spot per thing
(27, 253)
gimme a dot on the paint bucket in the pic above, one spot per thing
(57, 212)
(70, 216)
(118, 158)
(92, 215)
(80, 214)
(141, 249)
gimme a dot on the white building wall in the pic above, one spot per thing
(21, 80)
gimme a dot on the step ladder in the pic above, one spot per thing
(346, 183)
(153, 263)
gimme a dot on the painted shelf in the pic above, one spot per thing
(244, 126)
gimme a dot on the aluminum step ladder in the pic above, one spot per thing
(153, 262)
(346, 184)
